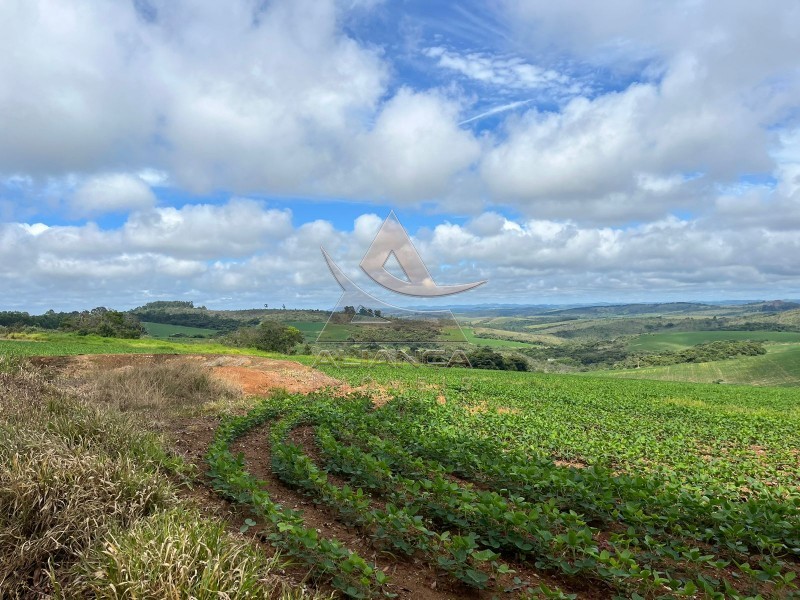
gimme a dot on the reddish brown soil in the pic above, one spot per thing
(259, 376)
(254, 376)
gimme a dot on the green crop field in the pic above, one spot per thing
(660, 342)
(66, 344)
(780, 366)
(469, 333)
(160, 330)
(310, 329)
(624, 489)
(519, 336)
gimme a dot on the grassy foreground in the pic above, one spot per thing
(549, 486)
(88, 508)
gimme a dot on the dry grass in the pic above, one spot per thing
(68, 473)
(173, 555)
(56, 500)
(174, 386)
(86, 509)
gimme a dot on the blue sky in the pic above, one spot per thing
(566, 152)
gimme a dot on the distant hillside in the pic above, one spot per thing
(772, 306)
(625, 310)
(186, 314)
(787, 319)
(779, 367)
(276, 314)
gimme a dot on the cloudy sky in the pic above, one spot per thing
(565, 151)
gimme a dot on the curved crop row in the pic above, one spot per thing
(395, 527)
(767, 524)
(346, 570)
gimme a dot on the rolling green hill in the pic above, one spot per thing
(469, 333)
(310, 329)
(789, 318)
(660, 342)
(161, 330)
(779, 367)
(518, 336)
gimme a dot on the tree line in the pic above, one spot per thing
(98, 321)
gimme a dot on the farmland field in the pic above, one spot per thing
(161, 330)
(500, 480)
(519, 336)
(780, 366)
(660, 342)
(454, 483)
(65, 344)
(310, 329)
(336, 333)
(469, 333)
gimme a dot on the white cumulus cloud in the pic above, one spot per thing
(111, 193)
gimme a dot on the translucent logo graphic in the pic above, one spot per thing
(360, 317)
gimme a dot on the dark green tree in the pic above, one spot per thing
(272, 336)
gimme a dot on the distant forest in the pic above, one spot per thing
(186, 314)
(98, 321)
(111, 323)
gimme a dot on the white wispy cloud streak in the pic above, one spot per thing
(497, 110)
(505, 71)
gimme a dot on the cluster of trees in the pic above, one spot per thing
(486, 358)
(49, 320)
(186, 314)
(166, 304)
(434, 354)
(398, 331)
(610, 354)
(594, 353)
(98, 321)
(269, 336)
(363, 311)
(104, 322)
(706, 352)
(762, 326)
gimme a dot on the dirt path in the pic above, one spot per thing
(253, 375)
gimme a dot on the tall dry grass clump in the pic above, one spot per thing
(172, 385)
(177, 554)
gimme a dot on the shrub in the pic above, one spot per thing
(104, 322)
(270, 336)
